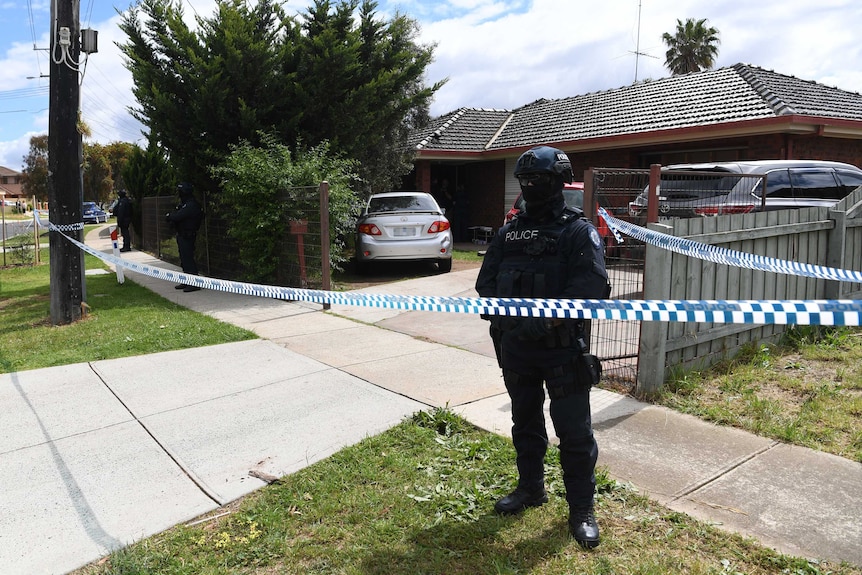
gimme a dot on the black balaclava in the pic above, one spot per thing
(545, 201)
(185, 191)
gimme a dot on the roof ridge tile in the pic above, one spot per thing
(778, 105)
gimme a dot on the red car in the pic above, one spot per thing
(574, 195)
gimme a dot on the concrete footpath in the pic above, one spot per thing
(97, 455)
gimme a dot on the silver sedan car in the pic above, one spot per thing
(403, 226)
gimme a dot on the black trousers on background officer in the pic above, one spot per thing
(186, 248)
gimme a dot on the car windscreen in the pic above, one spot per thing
(698, 185)
(402, 204)
(574, 199)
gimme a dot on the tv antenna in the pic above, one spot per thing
(637, 51)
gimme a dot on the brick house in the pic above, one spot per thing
(738, 112)
(12, 186)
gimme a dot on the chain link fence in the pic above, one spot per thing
(303, 254)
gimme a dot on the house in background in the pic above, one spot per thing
(11, 186)
(734, 113)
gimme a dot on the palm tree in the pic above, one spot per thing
(693, 48)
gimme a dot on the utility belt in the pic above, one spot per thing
(576, 376)
(586, 368)
(187, 234)
(582, 372)
(562, 333)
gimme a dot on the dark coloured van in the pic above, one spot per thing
(712, 189)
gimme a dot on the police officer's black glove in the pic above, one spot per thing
(533, 328)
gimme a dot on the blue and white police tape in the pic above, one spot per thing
(76, 227)
(792, 312)
(729, 257)
(614, 230)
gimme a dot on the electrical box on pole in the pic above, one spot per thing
(89, 41)
(65, 188)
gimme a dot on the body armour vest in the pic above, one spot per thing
(536, 257)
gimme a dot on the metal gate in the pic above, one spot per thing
(616, 343)
(671, 195)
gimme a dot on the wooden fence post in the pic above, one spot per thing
(835, 247)
(326, 266)
(653, 340)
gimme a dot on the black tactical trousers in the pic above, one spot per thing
(186, 247)
(572, 423)
(127, 237)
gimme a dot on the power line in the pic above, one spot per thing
(24, 93)
(188, 2)
(114, 125)
(89, 12)
(32, 21)
(121, 95)
(121, 124)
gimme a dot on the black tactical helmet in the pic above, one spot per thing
(544, 160)
(185, 188)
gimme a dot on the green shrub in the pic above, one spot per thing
(265, 188)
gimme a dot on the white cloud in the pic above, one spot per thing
(12, 152)
(496, 53)
(106, 92)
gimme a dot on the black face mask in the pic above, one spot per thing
(545, 201)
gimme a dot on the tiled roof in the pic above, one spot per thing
(467, 129)
(4, 171)
(803, 97)
(737, 93)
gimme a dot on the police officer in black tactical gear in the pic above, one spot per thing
(550, 251)
(123, 212)
(187, 220)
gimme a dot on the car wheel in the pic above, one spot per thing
(444, 265)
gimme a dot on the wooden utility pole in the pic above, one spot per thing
(65, 189)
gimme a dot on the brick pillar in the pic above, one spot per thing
(423, 175)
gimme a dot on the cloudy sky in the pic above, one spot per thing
(495, 53)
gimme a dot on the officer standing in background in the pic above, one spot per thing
(550, 251)
(187, 220)
(123, 212)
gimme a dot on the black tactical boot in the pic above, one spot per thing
(583, 526)
(520, 499)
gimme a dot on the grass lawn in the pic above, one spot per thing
(805, 391)
(417, 500)
(122, 320)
